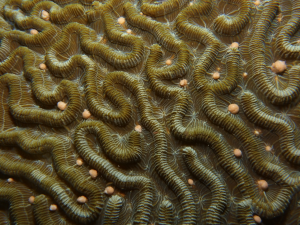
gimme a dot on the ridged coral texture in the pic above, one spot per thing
(150, 112)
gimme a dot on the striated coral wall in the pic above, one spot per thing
(149, 112)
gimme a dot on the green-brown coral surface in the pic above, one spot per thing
(188, 111)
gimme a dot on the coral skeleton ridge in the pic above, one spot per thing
(150, 112)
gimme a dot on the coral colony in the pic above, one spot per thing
(150, 112)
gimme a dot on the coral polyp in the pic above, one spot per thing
(149, 112)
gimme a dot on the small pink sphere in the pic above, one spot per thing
(82, 199)
(43, 66)
(53, 207)
(33, 31)
(45, 15)
(121, 20)
(79, 162)
(62, 105)
(109, 190)
(216, 75)
(278, 66)
(257, 132)
(183, 83)
(245, 74)
(86, 114)
(234, 45)
(138, 128)
(10, 180)
(237, 152)
(31, 199)
(257, 2)
(128, 31)
(257, 219)
(191, 3)
(190, 182)
(141, 13)
(262, 184)
(268, 148)
(233, 108)
(93, 173)
(168, 62)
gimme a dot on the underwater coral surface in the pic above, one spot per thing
(149, 112)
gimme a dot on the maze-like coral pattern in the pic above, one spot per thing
(149, 112)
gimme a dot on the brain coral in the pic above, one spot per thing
(149, 112)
